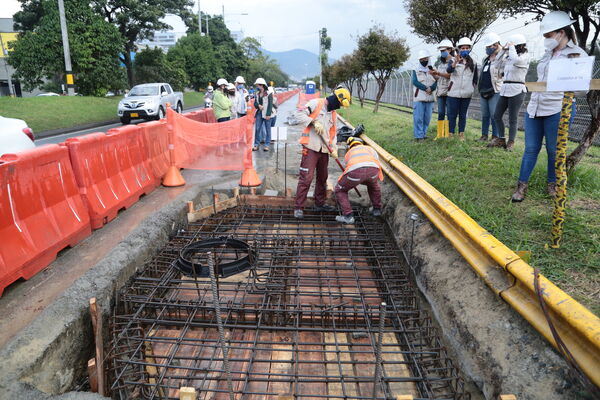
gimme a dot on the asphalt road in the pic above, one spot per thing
(62, 137)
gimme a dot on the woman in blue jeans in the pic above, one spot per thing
(543, 112)
(424, 82)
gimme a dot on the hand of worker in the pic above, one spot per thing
(334, 153)
(268, 117)
(428, 91)
(319, 128)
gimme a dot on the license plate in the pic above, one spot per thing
(133, 115)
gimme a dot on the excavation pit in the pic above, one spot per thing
(304, 321)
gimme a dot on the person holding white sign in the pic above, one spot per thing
(543, 112)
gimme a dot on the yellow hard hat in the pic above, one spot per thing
(353, 141)
(343, 96)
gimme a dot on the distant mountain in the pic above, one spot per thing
(297, 63)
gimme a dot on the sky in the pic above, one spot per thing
(282, 25)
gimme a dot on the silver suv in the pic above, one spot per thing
(149, 101)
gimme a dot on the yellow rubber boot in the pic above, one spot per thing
(440, 130)
(447, 128)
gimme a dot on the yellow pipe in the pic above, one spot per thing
(501, 269)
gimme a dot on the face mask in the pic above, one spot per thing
(424, 63)
(240, 86)
(550, 44)
(464, 53)
(444, 54)
(489, 50)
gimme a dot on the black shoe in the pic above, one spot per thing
(325, 208)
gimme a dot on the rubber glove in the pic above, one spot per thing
(319, 128)
(334, 153)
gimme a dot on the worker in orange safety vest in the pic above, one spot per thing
(318, 142)
(362, 167)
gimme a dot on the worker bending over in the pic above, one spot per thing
(318, 142)
(362, 167)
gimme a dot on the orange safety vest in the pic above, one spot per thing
(361, 154)
(332, 131)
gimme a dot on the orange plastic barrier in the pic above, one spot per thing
(212, 146)
(157, 146)
(305, 98)
(41, 211)
(207, 116)
(109, 173)
(281, 97)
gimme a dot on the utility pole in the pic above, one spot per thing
(206, 24)
(223, 12)
(11, 91)
(66, 51)
(199, 19)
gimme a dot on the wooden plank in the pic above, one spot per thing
(333, 369)
(187, 393)
(281, 358)
(207, 211)
(507, 397)
(316, 366)
(391, 352)
(260, 367)
(363, 362)
(98, 339)
(152, 370)
(92, 374)
(541, 86)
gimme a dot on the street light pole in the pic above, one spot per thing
(199, 19)
(66, 51)
(11, 91)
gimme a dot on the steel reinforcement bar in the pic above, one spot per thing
(502, 269)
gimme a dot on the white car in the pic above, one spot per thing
(15, 136)
(48, 94)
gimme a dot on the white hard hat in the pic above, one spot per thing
(555, 20)
(221, 81)
(240, 79)
(490, 39)
(230, 86)
(517, 38)
(260, 81)
(424, 54)
(210, 88)
(445, 44)
(465, 41)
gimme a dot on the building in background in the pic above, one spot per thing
(161, 39)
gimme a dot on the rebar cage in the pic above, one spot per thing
(326, 311)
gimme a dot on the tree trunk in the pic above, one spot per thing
(380, 90)
(128, 65)
(362, 90)
(593, 98)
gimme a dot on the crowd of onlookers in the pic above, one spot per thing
(230, 100)
(500, 83)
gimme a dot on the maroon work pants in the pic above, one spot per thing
(368, 176)
(312, 160)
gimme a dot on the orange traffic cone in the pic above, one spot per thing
(173, 175)
(250, 178)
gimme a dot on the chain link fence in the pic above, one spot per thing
(400, 91)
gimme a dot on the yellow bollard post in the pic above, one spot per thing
(560, 201)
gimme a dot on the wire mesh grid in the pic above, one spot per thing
(305, 321)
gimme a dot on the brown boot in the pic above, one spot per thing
(461, 136)
(519, 194)
(510, 145)
(551, 189)
(497, 142)
(484, 138)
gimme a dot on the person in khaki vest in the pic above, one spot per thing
(423, 80)
(362, 168)
(318, 138)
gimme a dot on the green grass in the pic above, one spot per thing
(46, 113)
(481, 180)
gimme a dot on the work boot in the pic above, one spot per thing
(484, 138)
(551, 189)
(461, 136)
(510, 145)
(519, 194)
(345, 219)
(497, 142)
(298, 214)
(266, 148)
(325, 208)
(376, 212)
(447, 128)
(440, 130)
(255, 148)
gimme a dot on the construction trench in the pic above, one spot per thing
(306, 308)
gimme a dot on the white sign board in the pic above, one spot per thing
(279, 133)
(570, 74)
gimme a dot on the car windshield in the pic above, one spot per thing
(144, 91)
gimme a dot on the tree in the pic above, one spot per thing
(350, 71)
(195, 54)
(434, 20)
(586, 14)
(95, 45)
(380, 54)
(134, 20)
(152, 65)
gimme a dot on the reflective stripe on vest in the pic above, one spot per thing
(304, 138)
(361, 154)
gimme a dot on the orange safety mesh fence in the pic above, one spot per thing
(210, 146)
(304, 98)
(284, 96)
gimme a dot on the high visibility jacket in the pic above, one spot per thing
(361, 156)
(316, 107)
